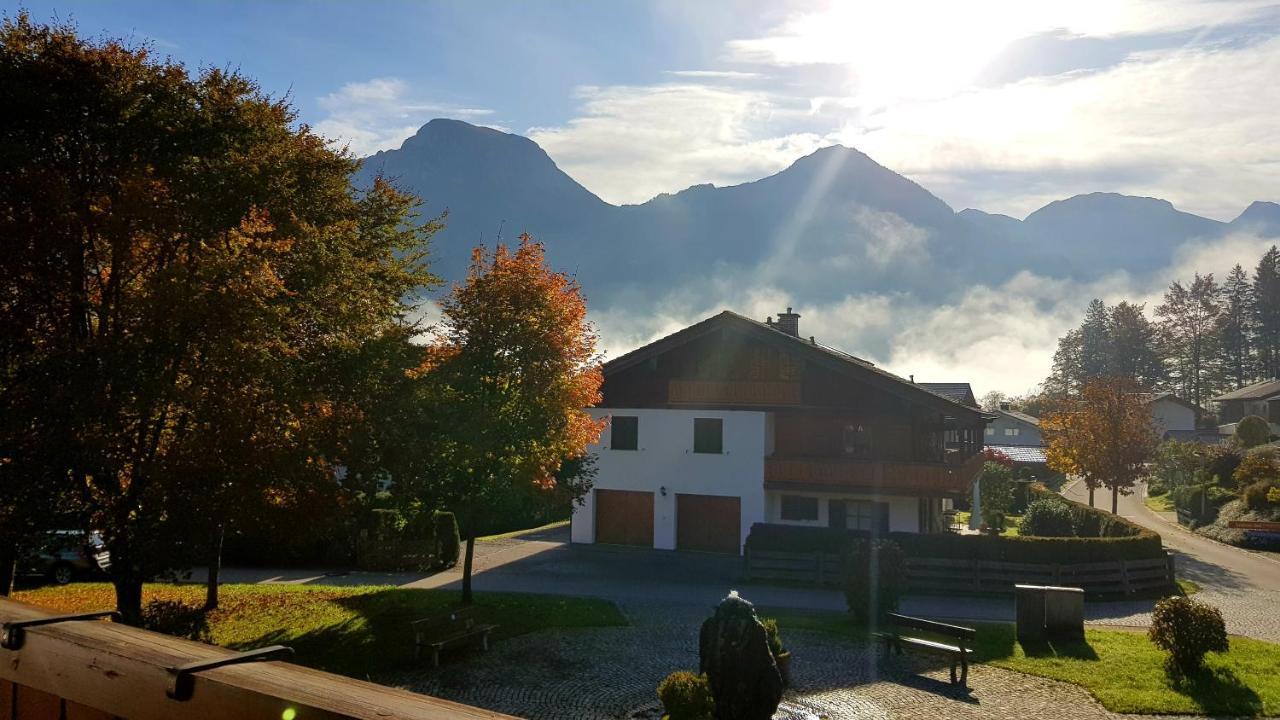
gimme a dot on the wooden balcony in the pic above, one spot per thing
(746, 392)
(881, 476)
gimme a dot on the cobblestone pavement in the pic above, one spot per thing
(597, 673)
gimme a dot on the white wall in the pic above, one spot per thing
(665, 458)
(904, 512)
(1169, 415)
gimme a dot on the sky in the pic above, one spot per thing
(1002, 105)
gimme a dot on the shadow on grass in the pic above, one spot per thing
(1074, 649)
(1219, 691)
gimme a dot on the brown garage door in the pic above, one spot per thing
(707, 522)
(624, 517)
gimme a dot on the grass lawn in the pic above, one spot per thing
(1160, 503)
(1122, 669)
(356, 631)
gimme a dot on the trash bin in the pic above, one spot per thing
(1064, 613)
(1028, 602)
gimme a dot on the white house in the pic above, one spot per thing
(732, 422)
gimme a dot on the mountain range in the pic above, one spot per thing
(834, 223)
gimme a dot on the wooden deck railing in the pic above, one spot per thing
(733, 392)
(875, 475)
(98, 671)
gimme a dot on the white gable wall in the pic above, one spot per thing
(1169, 415)
(665, 458)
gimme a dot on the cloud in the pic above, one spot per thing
(630, 143)
(379, 114)
(716, 74)
(998, 336)
(1193, 125)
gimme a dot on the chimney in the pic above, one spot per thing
(1004, 406)
(789, 323)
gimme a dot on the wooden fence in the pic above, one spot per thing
(95, 670)
(981, 576)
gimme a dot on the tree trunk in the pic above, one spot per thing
(215, 569)
(8, 566)
(1115, 499)
(129, 599)
(1090, 495)
(466, 567)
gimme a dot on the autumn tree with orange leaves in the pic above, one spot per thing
(1105, 436)
(509, 379)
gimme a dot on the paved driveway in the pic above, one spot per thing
(1245, 585)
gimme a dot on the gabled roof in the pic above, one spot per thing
(1257, 391)
(1158, 396)
(1019, 416)
(961, 392)
(829, 356)
(1023, 453)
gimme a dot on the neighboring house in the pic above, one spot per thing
(730, 422)
(1011, 427)
(1261, 399)
(1173, 417)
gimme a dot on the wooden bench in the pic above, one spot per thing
(454, 628)
(895, 635)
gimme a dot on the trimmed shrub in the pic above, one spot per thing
(1252, 431)
(875, 578)
(1047, 517)
(1186, 629)
(447, 539)
(996, 487)
(1257, 495)
(686, 696)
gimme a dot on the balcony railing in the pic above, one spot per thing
(924, 478)
(746, 392)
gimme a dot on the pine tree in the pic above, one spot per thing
(1235, 329)
(1188, 324)
(1134, 343)
(1266, 313)
(1065, 378)
(1095, 341)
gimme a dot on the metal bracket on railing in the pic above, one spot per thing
(13, 633)
(182, 680)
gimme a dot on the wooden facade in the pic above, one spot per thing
(836, 420)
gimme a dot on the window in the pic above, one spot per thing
(857, 441)
(1012, 432)
(708, 435)
(625, 433)
(990, 431)
(798, 507)
(870, 516)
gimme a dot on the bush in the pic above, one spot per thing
(687, 696)
(1257, 495)
(173, 617)
(1261, 465)
(1220, 467)
(771, 633)
(1156, 486)
(1273, 495)
(1047, 517)
(1252, 431)
(996, 493)
(1187, 629)
(447, 539)
(875, 578)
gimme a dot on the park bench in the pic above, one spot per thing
(456, 627)
(900, 631)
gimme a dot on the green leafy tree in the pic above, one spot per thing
(1189, 322)
(995, 493)
(511, 375)
(190, 264)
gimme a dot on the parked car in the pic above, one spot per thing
(65, 555)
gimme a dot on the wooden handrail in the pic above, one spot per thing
(123, 671)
